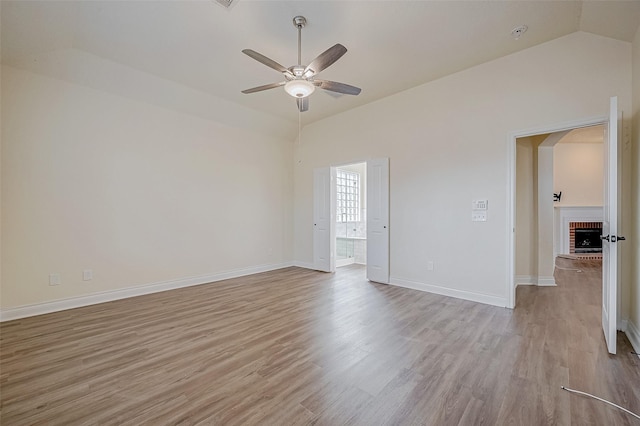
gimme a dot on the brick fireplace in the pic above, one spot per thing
(569, 218)
(584, 237)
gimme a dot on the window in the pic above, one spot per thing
(347, 196)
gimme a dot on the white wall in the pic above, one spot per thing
(546, 260)
(578, 172)
(139, 193)
(526, 238)
(447, 144)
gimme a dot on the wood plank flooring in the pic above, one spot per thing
(298, 347)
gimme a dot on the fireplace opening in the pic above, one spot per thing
(584, 237)
(587, 240)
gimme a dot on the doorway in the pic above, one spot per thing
(610, 265)
(559, 200)
(351, 214)
(375, 195)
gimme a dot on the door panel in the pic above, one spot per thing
(378, 220)
(610, 230)
(323, 211)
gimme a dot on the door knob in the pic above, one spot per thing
(602, 237)
(621, 238)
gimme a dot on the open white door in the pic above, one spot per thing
(378, 220)
(610, 230)
(323, 211)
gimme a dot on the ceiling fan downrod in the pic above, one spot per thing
(299, 22)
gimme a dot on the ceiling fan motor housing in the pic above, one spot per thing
(299, 21)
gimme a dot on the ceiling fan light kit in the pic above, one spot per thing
(300, 81)
(299, 88)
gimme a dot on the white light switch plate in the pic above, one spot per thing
(480, 204)
(479, 216)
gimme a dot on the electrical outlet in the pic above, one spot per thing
(54, 279)
(430, 265)
(87, 275)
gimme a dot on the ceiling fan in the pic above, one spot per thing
(300, 80)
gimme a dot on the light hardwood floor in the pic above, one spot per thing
(301, 347)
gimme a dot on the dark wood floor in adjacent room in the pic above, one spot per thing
(301, 347)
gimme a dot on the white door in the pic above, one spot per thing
(610, 230)
(323, 211)
(378, 220)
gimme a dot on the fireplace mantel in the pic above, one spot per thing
(567, 214)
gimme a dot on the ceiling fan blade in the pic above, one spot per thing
(268, 62)
(265, 87)
(326, 58)
(303, 104)
(338, 87)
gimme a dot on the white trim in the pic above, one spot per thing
(444, 291)
(511, 222)
(345, 262)
(623, 324)
(526, 280)
(511, 190)
(633, 334)
(111, 295)
(546, 282)
(534, 280)
(301, 264)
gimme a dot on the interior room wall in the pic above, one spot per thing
(544, 201)
(448, 145)
(526, 258)
(633, 243)
(578, 172)
(138, 193)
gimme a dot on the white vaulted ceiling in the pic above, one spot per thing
(392, 45)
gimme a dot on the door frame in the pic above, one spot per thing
(511, 190)
(332, 168)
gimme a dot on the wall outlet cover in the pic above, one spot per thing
(54, 279)
(479, 216)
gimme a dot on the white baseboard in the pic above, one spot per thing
(301, 264)
(623, 324)
(633, 334)
(444, 291)
(345, 262)
(535, 280)
(546, 282)
(111, 295)
(526, 280)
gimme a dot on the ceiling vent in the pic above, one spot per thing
(227, 4)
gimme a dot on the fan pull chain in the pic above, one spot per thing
(299, 127)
